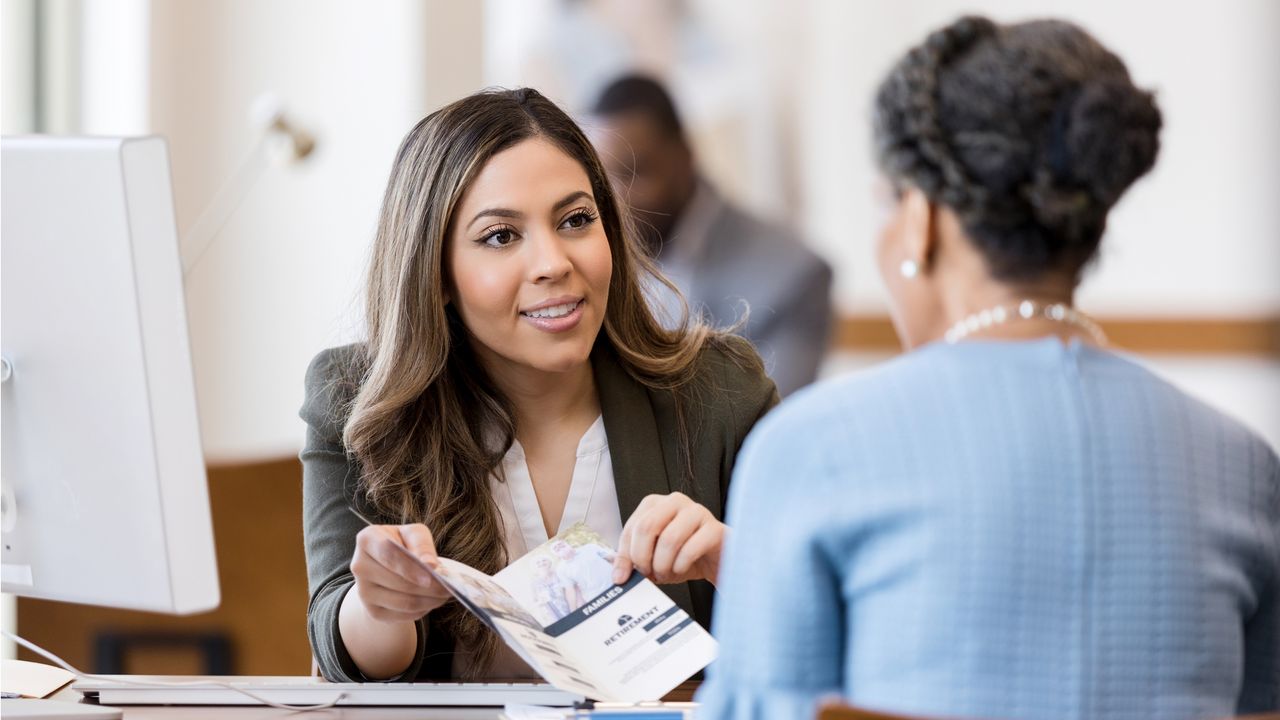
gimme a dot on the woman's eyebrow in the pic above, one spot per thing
(496, 212)
(516, 214)
(577, 195)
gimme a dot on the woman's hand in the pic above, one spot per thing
(670, 539)
(391, 583)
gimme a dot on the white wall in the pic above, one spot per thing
(777, 98)
(271, 287)
(1196, 237)
(17, 71)
(727, 62)
(281, 279)
(779, 102)
(115, 56)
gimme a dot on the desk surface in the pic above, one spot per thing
(258, 712)
(682, 693)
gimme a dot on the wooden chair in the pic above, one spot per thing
(840, 711)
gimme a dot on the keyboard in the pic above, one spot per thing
(316, 691)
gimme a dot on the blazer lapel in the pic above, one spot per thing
(635, 445)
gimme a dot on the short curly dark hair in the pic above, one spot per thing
(1028, 132)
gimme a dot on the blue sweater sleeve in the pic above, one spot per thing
(1261, 688)
(779, 613)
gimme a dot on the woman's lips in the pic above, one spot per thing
(559, 324)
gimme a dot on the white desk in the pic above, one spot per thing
(257, 712)
(683, 693)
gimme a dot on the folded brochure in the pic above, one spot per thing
(559, 609)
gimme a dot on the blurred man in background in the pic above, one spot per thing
(718, 255)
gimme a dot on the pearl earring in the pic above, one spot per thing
(909, 269)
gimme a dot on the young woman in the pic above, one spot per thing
(1011, 520)
(513, 382)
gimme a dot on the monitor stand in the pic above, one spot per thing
(28, 708)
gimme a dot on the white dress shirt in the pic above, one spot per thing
(593, 499)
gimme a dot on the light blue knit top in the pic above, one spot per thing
(1000, 530)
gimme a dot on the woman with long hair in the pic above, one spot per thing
(1012, 519)
(513, 382)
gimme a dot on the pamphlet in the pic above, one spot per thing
(559, 609)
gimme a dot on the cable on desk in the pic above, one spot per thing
(163, 683)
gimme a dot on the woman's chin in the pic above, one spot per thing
(562, 364)
(551, 358)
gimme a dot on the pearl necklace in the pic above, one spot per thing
(1025, 310)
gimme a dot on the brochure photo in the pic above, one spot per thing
(559, 609)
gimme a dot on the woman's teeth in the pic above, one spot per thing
(554, 311)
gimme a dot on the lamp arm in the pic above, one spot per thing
(199, 237)
(290, 143)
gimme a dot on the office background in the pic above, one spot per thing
(776, 97)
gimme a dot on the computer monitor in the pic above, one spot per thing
(105, 499)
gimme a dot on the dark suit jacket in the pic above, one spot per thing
(726, 400)
(786, 286)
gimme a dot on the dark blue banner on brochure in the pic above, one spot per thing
(592, 607)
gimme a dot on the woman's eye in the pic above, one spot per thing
(579, 220)
(498, 238)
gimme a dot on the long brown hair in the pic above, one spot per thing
(427, 426)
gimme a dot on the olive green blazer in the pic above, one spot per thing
(724, 401)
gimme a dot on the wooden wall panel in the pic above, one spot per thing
(1191, 336)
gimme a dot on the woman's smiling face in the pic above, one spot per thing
(529, 262)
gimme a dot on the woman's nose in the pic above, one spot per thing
(549, 261)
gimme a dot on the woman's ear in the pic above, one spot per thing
(917, 227)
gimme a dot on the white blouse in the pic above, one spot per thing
(593, 499)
